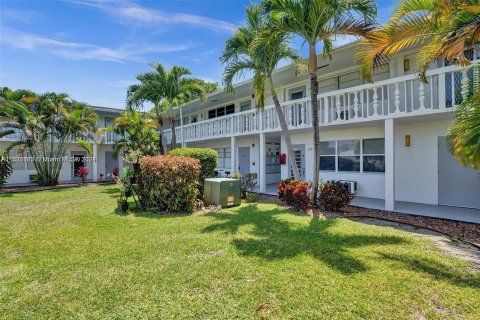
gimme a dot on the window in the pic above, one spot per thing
(327, 155)
(245, 105)
(351, 155)
(224, 157)
(348, 152)
(222, 111)
(297, 93)
(374, 155)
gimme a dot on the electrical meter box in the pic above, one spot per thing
(222, 191)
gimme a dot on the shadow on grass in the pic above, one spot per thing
(281, 239)
(438, 270)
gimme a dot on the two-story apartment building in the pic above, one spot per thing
(386, 137)
(100, 167)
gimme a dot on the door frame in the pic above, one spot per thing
(72, 165)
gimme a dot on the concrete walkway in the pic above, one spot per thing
(428, 210)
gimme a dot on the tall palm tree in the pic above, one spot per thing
(180, 89)
(319, 22)
(48, 124)
(150, 89)
(166, 89)
(441, 28)
(254, 48)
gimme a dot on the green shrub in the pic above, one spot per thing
(334, 195)
(169, 183)
(251, 197)
(6, 168)
(208, 161)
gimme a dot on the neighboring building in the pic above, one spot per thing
(387, 137)
(24, 171)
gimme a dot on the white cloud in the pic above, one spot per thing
(85, 51)
(130, 12)
(24, 16)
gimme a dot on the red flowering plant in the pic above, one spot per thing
(295, 194)
(82, 173)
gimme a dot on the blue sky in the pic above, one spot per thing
(93, 49)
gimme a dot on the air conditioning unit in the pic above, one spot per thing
(352, 186)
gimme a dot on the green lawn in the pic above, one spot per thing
(69, 254)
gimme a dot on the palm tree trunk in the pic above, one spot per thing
(173, 143)
(286, 134)
(161, 150)
(312, 69)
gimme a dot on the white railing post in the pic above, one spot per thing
(375, 102)
(338, 105)
(421, 97)
(355, 104)
(325, 110)
(397, 98)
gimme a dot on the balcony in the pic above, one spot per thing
(392, 98)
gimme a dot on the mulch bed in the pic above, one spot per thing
(469, 232)
(30, 188)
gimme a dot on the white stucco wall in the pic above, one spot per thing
(416, 167)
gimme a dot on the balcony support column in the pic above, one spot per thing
(262, 179)
(233, 154)
(95, 162)
(389, 164)
(182, 134)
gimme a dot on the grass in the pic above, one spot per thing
(69, 254)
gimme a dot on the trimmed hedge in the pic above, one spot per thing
(208, 161)
(295, 194)
(169, 183)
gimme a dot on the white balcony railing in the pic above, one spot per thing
(397, 97)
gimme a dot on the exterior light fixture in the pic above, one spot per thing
(408, 141)
(406, 64)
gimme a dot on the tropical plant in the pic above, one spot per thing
(254, 48)
(334, 195)
(463, 137)
(82, 173)
(166, 89)
(48, 124)
(295, 194)
(320, 21)
(440, 28)
(137, 133)
(6, 168)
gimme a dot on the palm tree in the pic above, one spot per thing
(463, 137)
(150, 89)
(180, 89)
(137, 132)
(48, 124)
(320, 21)
(442, 29)
(247, 52)
(166, 89)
